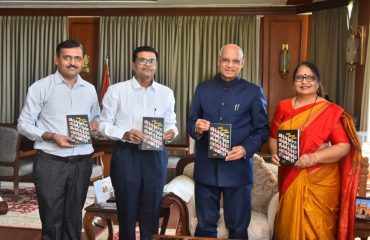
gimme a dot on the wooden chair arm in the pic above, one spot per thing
(181, 164)
(27, 154)
(170, 200)
(98, 159)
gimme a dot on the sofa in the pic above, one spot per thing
(264, 199)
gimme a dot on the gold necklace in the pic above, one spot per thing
(295, 101)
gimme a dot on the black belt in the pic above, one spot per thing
(69, 159)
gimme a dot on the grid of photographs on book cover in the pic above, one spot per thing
(79, 128)
(288, 146)
(153, 130)
(219, 140)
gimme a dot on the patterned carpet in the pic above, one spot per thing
(24, 213)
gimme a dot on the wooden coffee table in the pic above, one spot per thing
(109, 215)
(160, 237)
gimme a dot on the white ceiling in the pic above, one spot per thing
(140, 3)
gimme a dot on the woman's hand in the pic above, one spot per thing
(306, 160)
(275, 159)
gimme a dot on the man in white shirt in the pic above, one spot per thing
(62, 168)
(138, 176)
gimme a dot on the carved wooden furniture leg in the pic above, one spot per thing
(87, 224)
(171, 199)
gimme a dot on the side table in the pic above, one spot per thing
(107, 214)
(3, 207)
(110, 216)
(362, 229)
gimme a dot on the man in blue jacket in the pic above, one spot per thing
(227, 99)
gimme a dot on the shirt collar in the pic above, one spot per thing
(229, 83)
(59, 79)
(136, 85)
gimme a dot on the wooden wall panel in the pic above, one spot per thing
(276, 30)
(86, 31)
(364, 20)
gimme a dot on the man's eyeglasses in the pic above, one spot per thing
(300, 78)
(233, 61)
(143, 61)
(75, 58)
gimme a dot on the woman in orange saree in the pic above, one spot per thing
(317, 193)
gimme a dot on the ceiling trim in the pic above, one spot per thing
(145, 11)
(174, 11)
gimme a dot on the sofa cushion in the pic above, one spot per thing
(265, 184)
(189, 170)
(258, 228)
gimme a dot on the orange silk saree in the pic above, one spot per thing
(317, 202)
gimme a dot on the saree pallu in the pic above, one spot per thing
(317, 202)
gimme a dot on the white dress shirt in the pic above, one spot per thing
(126, 103)
(49, 101)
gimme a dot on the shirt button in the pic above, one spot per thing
(221, 118)
(222, 103)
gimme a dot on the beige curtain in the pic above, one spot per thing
(27, 46)
(327, 49)
(188, 47)
(365, 120)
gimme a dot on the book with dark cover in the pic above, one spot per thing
(219, 140)
(153, 131)
(79, 129)
(288, 146)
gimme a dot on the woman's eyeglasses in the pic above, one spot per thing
(300, 78)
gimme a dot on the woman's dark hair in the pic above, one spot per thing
(315, 70)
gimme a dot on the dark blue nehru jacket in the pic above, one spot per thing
(241, 104)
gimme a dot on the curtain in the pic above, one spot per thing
(327, 49)
(365, 120)
(27, 46)
(188, 47)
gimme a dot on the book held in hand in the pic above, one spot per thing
(153, 134)
(219, 140)
(288, 146)
(79, 129)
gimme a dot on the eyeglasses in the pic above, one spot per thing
(143, 61)
(233, 61)
(300, 78)
(75, 58)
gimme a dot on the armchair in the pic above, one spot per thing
(264, 199)
(15, 165)
(98, 166)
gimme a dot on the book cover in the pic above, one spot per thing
(79, 128)
(103, 190)
(153, 131)
(219, 140)
(288, 146)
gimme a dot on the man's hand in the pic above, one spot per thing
(134, 135)
(63, 141)
(235, 153)
(169, 135)
(201, 126)
(94, 128)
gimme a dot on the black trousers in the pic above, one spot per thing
(237, 210)
(61, 189)
(138, 178)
